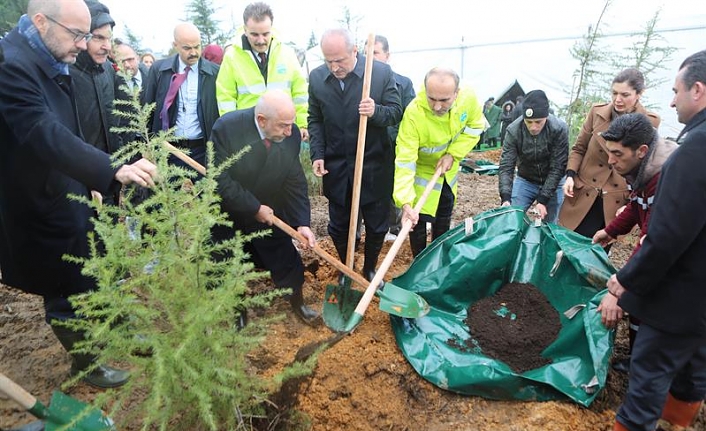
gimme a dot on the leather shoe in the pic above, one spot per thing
(621, 366)
(306, 314)
(370, 274)
(106, 377)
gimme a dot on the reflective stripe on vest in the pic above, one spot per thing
(410, 165)
(227, 106)
(422, 182)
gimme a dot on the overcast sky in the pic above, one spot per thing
(414, 24)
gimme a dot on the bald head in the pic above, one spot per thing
(62, 25)
(441, 85)
(187, 42)
(275, 114)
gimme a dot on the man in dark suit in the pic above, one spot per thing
(128, 61)
(267, 180)
(193, 109)
(335, 106)
(43, 158)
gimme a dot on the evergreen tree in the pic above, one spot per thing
(201, 13)
(161, 292)
(132, 39)
(10, 13)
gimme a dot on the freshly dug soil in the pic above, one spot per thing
(515, 325)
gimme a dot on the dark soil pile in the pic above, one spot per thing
(515, 325)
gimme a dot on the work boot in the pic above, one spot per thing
(342, 249)
(306, 314)
(373, 245)
(103, 376)
(677, 413)
(440, 226)
(418, 238)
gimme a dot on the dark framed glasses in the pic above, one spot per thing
(77, 34)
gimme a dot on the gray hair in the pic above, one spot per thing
(347, 37)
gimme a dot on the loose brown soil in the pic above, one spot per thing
(515, 326)
(362, 383)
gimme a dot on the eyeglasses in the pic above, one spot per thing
(77, 34)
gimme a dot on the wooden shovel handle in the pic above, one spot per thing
(280, 224)
(185, 158)
(16, 392)
(359, 155)
(321, 252)
(392, 253)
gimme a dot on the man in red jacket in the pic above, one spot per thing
(636, 152)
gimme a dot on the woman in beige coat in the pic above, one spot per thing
(593, 191)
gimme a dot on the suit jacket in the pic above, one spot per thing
(333, 130)
(42, 159)
(260, 177)
(665, 279)
(157, 86)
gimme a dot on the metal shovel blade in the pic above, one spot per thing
(339, 304)
(64, 409)
(400, 302)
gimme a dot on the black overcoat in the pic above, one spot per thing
(333, 130)
(42, 160)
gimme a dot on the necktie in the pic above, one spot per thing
(263, 57)
(177, 80)
(267, 143)
(134, 83)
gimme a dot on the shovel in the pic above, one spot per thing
(62, 410)
(357, 316)
(393, 300)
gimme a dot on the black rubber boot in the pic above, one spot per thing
(342, 249)
(418, 238)
(306, 314)
(440, 226)
(103, 376)
(373, 245)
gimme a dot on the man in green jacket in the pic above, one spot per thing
(259, 62)
(441, 125)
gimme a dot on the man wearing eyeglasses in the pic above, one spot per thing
(43, 158)
(95, 84)
(183, 87)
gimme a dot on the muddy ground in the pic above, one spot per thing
(363, 383)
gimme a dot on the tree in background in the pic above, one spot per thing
(313, 41)
(598, 65)
(351, 22)
(132, 39)
(10, 13)
(201, 13)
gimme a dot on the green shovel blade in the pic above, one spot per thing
(339, 305)
(400, 302)
(64, 409)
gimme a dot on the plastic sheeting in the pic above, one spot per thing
(473, 261)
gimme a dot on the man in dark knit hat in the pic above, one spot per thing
(538, 145)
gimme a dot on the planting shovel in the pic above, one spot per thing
(357, 316)
(393, 300)
(62, 410)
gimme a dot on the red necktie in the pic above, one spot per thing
(177, 80)
(263, 57)
(267, 143)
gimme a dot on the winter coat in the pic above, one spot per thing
(425, 137)
(492, 114)
(594, 176)
(642, 186)
(665, 279)
(155, 91)
(240, 81)
(271, 177)
(540, 159)
(42, 160)
(406, 89)
(333, 131)
(95, 90)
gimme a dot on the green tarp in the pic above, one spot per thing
(473, 261)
